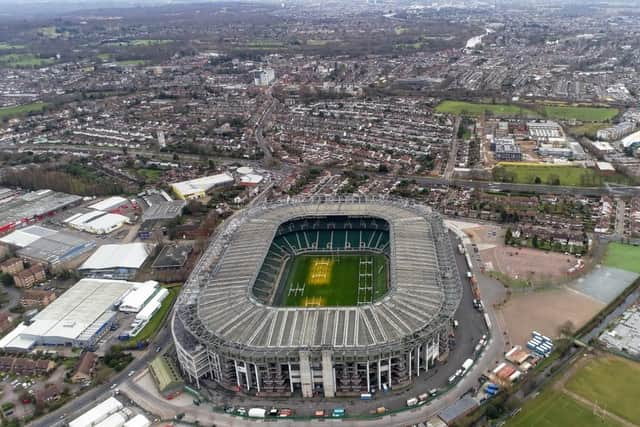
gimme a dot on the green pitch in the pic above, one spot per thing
(321, 280)
(553, 409)
(623, 256)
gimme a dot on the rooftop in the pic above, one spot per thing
(174, 256)
(127, 255)
(33, 205)
(71, 314)
(424, 291)
(203, 184)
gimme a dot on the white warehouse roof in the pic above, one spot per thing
(114, 420)
(110, 203)
(138, 421)
(148, 311)
(96, 222)
(74, 314)
(135, 299)
(27, 236)
(97, 413)
(127, 255)
(203, 184)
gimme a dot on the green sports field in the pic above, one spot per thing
(625, 257)
(321, 280)
(612, 383)
(476, 109)
(552, 409)
(553, 112)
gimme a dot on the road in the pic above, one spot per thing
(469, 332)
(150, 153)
(453, 150)
(97, 394)
(259, 128)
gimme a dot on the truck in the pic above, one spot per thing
(257, 413)
(423, 397)
(412, 402)
(466, 365)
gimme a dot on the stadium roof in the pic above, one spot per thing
(425, 286)
(631, 139)
(73, 314)
(127, 255)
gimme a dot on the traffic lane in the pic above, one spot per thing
(100, 393)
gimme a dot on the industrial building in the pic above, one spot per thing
(17, 211)
(198, 188)
(96, 222)
(47, 246)
(226, 330)
(146, 313)
(166, 377)
(616, 132)
(139, 295)
(78, 317)
(172, 257)
(110, 413)
(109, 204)
(116, 261)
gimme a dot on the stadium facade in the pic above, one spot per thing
(227, 330)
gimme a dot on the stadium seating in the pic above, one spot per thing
(319, 235)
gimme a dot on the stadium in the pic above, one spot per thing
(319, 296)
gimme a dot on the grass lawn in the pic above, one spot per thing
(149, 42)
(553, 112)
(131, 62)
(19, 110)
(553, 409)
(612, 383)
(149, 174)
(575, 176)
(584, 114)
(21, 60)
(476, 109)
(333, 281)
(9, 46)
(158, 319)
(625, 257)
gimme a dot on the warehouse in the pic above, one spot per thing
(98, 413)
(172, 257)
(47, 246)
(138, 296)
(78, 317)
(117, 261)
(33, 207)
(198, 188)
(96, 222)
(109, 204)
(150, 308)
